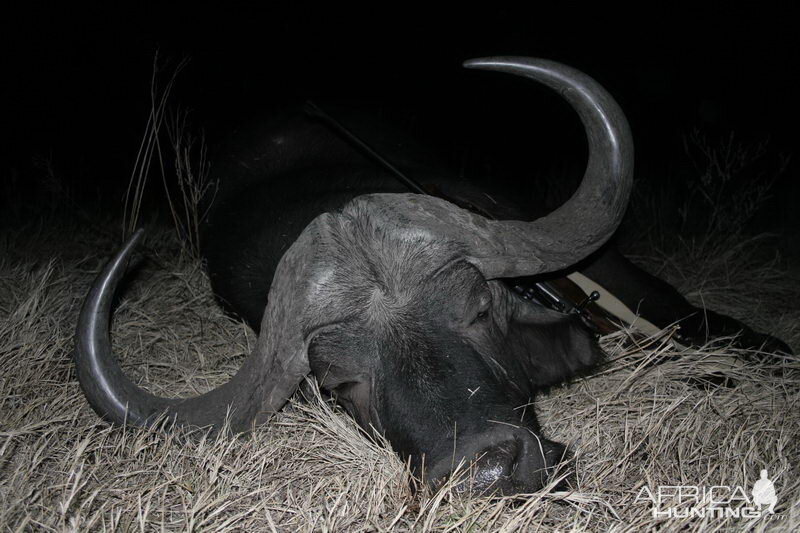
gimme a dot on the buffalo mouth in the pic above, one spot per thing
(501, 462)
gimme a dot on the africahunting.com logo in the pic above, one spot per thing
(715, 501)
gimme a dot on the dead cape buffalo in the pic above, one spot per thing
(396, 301)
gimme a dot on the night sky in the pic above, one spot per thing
(78, 80)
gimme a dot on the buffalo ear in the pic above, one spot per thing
(551, 347)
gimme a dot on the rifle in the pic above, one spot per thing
(560, 294)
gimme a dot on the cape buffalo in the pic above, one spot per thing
(396, 301)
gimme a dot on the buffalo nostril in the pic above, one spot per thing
(520, 464)
(508, 463)
(539, 457)
(496, 467)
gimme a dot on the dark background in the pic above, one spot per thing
(78, 84)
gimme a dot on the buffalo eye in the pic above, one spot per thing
(342, 393)
(344, 388)
(483, 311)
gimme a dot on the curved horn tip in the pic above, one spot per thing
(493, 61)
(130, 244)
(135, 237)
(124, 253)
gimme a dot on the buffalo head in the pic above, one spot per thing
(396, 304)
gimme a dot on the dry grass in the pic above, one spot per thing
(741, 276)
(632, 424)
